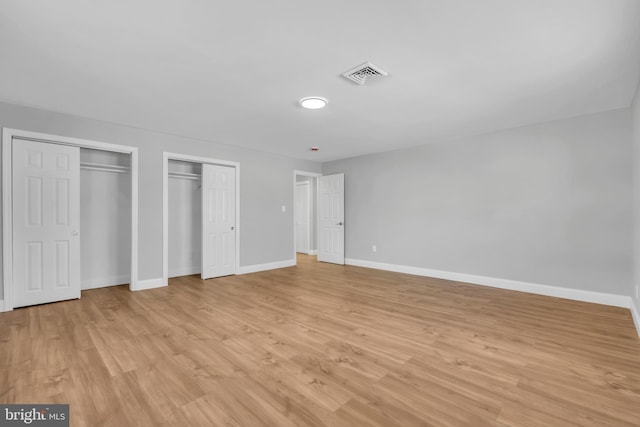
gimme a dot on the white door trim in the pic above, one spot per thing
(166, 156)
(293, 189)
(7, 197)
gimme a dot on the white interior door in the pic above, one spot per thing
(331, 218)
(218, 221)
(46, 222)
(303, 217)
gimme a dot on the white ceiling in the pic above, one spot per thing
(233, 71)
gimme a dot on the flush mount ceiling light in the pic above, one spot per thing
(313, 102)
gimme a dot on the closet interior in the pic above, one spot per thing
(105, 218)
(185, 218)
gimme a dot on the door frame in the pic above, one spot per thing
(7, 198)
(293, 189)
(310, 214)
(166, 156)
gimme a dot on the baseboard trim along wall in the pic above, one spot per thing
(149, 284)
(514, 285)
(309, 252)
(103, 282)
(636, 316)
(177, 272)
(160, 282)
(268, 266)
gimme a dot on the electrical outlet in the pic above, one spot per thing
(374, 248)
(284, 208)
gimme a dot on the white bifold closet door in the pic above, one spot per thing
(46, 222)
(331, 218)
(218, 221)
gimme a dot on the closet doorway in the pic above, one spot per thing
(105, 218)
(185, 218)
(201, 216)
(304, 217)
(60, 196)
(305, 213)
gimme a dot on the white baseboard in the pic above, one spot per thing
(309, 252)
(148, 284)
(2, 307)
(177, 272)
(533, 288)
(636, 315)
(103, 282)
(268, 266)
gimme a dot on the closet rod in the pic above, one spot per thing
(184, 175)
(103, 167)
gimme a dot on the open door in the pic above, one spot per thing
(46, 222)
(331, 218)
(218, 221)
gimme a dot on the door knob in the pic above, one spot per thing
(340, 223)
(232, 227)
(74, 233)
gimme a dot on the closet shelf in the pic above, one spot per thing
(104, 168)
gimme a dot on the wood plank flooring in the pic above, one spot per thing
(324, 345)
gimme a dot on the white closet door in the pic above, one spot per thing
(46, 222)
(331, 218)
(303, 217)
(218, 221)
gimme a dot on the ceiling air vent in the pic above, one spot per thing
(364, 73)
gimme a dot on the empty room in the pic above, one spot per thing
(293, 213)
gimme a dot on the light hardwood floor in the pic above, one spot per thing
(322, 344)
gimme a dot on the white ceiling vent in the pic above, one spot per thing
(364, 72)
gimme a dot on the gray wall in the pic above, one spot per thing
(635, 113)
(266, 234)
(547, 204)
